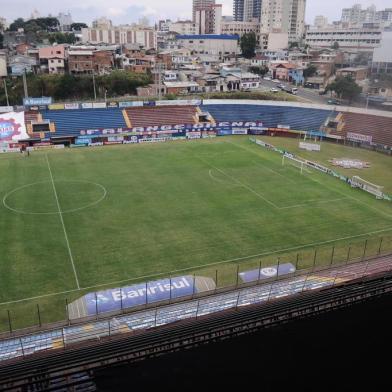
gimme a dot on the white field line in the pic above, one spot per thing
(268, 253)
(353, 198)
(313, 179)
(313, 203)
(62, 223)
(240, 183)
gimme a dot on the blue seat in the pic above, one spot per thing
(71, 122)
(297, 118)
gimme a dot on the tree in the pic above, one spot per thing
(345, 87)
(311, 70)
(17, 24)
(363, 58)
(259, 70)
(78, 26)
(335, 45)
(62, 38)
(248, 45)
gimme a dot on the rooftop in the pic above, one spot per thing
(209, 36)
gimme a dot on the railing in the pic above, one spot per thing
(51, 311)
(194, 306)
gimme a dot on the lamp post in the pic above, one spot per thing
(6, 92)
(95, 91)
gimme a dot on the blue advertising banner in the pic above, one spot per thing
(222, 128)
(139, 294)
(37, 101)
(267, 272)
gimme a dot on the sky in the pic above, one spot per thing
(129, 11)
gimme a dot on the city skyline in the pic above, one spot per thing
(129, 11)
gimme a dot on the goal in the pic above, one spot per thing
(291, 160)
(376, 190)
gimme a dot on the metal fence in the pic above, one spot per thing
(61, 337)
(52, 311)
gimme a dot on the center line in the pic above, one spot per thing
(62, 222)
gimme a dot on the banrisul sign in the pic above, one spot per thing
(140, 294)
(178, 128)
(37, 101)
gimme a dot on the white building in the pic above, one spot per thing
(65, 21)
(184, 27)
(320, 22)
(248, 81)
(359, 39)
(3, 65)
(277, 41)
(102, 23)
(240, 28)
(3, 23)
(286, 16)
(358, 17)
(210, 44)
(382, 56)
(146, 37)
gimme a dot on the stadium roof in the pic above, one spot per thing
(209, 36)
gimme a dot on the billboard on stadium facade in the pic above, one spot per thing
(6, 109)
(358, 137)
(56, 106)
(181, 102)
(87, 105)
(71, 106)
(12, 127)
(130, 104)
(267, 272)
(139, 294)
(99, 105)
(37, 101)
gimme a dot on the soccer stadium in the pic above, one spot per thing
(122, 217)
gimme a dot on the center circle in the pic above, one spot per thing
(57, 197)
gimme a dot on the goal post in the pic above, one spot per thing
(376, 190)
(292, 161)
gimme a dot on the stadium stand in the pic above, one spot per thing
(161, 115)
(70, 122)
(380, 128)
(271, 116)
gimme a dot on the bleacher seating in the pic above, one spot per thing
(271, 116)
(71, 122)
(380, 128)
(161, 115)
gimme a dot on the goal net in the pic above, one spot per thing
(376, 190)
(292, 161)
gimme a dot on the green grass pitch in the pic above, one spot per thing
(130, 212)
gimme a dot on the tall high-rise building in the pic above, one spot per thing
(199, 4)
(209, 19)
(246, 10)
(286, 16)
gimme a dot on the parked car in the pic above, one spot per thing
(274, 90)
(333, 102)
(276, 80)
(281, 86)
(267, 78)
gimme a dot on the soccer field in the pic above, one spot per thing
(76, 220)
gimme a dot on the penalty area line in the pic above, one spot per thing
(200, 266)
(62, 223)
